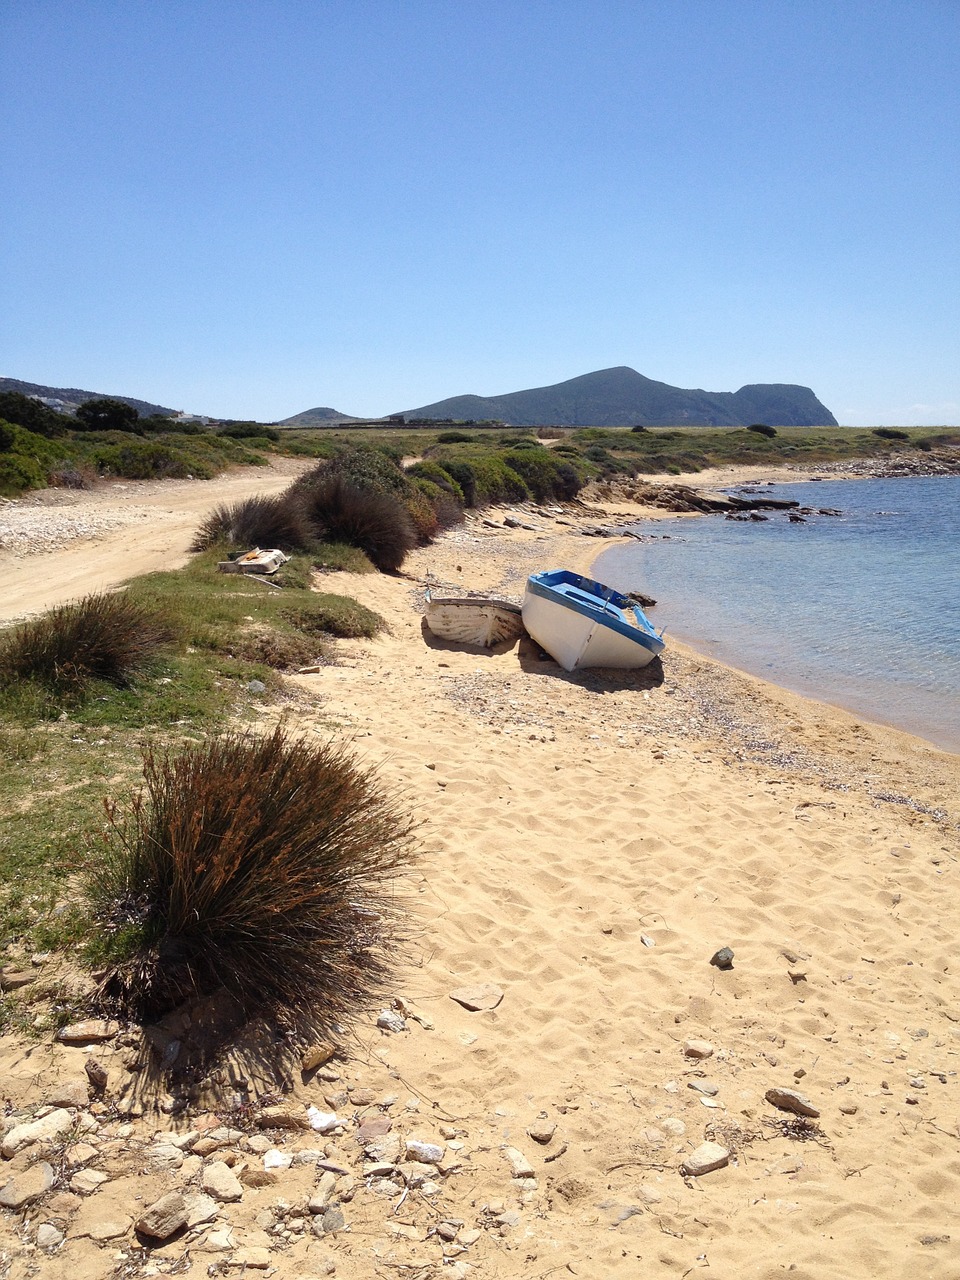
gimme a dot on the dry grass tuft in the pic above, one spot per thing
(257, 522)
(265, 867)
(371, 519)
(102, 637)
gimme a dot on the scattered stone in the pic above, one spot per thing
(373, 1127)
(90, 1031)
(322, 1121)
(722, 959)
(109, 1228)
(29, 1185)
(424, 1152)
(333, 1220)
(674, 1126)
(221, 1182)
(51, 1127)
(386, 1148)
(164, 1217)
(200, 1209)
(14, 979)
(254, 1257)
(282, 1118)
(256, 686)
(275, 1159)
(49, 1236)
(704, 1086)
(316, 1056)
(520, 1166)
(542, 1130)
(96, 1074)
(165, 1156)
(390, 1020)
(86, 1181)
(707, 1157)
(478, 999)
(848, 1109)
(698, 1049)
(790, 1100)
(69, 1093)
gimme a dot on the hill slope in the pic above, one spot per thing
(70, 397)
(319, 417)
(622, 397)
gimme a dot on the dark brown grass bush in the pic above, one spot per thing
(265, 867)
(102, 637)
(373, 520)
(257, 522)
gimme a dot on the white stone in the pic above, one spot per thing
(424, 1152)
(707, 1157)
(520, 1166)
(219, 1181)
(53, 1125)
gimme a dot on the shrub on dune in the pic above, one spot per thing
(257, 522)
(264, 867)
(102, 637)
(375, 521)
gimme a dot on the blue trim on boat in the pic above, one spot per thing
(595, 600)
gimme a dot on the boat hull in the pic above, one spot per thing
(475, 621)
(582, 623)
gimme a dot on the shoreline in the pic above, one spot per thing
(589, 841)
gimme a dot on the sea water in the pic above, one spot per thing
(861, 609)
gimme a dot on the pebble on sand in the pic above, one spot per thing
(707, 1157)
(790, 1100)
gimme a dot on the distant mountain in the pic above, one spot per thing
(621, 397)
(66, 399)
(321, 417)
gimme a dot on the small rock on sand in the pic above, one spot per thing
(697, 1049)
(29, 1185)
(790, 1100)
(707, 1157)
(164, 1217)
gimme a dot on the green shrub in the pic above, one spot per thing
(544, 475)
(102, 637)
(33, 416)
(257, 522)
(248, 431)
(7, 436)
(455, 437)
(428, 469)
(485, 478)
(761, 429)
(446, 508)
(373, 520)
(18, 473)
(154, 460)
(263, 867)
(890, 433)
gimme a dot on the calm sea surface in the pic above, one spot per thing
(861, 610)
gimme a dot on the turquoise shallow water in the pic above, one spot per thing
(861, 610)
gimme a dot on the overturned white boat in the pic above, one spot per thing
(484, 621)
(582, 623)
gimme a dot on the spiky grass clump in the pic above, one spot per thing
(371, 519)
(265, 867)
(102, 637)
(257, 522)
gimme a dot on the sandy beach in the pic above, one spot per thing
(589, 842)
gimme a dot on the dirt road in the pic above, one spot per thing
(59, 545)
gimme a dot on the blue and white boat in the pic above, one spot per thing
(582, 623)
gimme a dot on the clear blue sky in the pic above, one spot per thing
(253, 208)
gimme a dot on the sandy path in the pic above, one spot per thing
(99, 539)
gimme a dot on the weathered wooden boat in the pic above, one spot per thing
(478, 620)
(582, 623)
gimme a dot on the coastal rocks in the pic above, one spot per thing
(790, 1100)
(707, 1157)
(480, 998)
